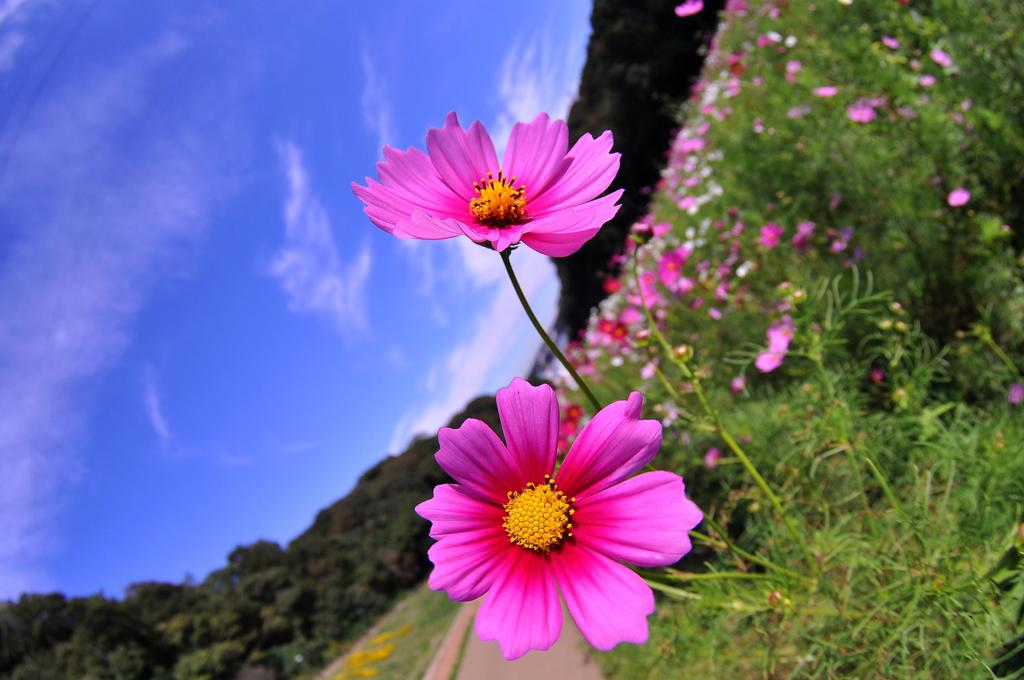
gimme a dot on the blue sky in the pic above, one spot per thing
(203, 340)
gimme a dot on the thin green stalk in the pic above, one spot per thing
(506, 258)
(712, 413)
(715, 575)
(748, 556)
(1003, 356)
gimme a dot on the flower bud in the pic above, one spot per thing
(682, 352)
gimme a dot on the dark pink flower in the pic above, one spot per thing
(517, 533)
(802, 238)
(712, 458)
(738, 384)
(689, 8)
(770, 235)
(670, 266)
(543, 194)
(958, 197)
(1016, 394)
(877, 375)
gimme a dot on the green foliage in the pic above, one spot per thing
(886, 432)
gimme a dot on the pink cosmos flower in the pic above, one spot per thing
(890, 42)
(543, 193)
(861, 112)
(671, 264)
(768, 361)
(649, 370)
(687, 202)
(1016, 394)
(513, 530)
(712, 458)
(737, 384)
(793, 67)
(798, 111)
(780, 333)
(958, 197)
(941, 58)
(689, 8)
(770, 235)
(825, 91)
(802, 238)
(926, 80)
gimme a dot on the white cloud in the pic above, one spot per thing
(8, 9)
(309, 267)
(91, 229)
(12, 34)
(376, 102)
(152, 403)
(501, 344)
(539, 74)
(421, 256)
(10, 43)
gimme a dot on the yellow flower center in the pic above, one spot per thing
(537, 518)
(498, 202)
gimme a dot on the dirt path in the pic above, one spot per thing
(569, 659)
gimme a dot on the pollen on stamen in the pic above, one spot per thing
(498, 201)
(537, 517)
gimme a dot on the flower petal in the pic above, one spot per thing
(451, 511)
(475, 457)
(644, 520)
(613, 445)
(591, 170)
(521, 610)
(609, 603)
(536, 153)
(529, 419)
(422, 225)
(408, 181)
(467, 563)
(461, 157)
(564, 232)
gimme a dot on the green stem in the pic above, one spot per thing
(726, 542)
(506, 258)
(987, 338)
(712, 413)
(715, 575)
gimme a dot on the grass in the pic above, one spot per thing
(885, 435)
(403, 642)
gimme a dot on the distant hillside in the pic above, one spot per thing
(641, 62)
(270, 607)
